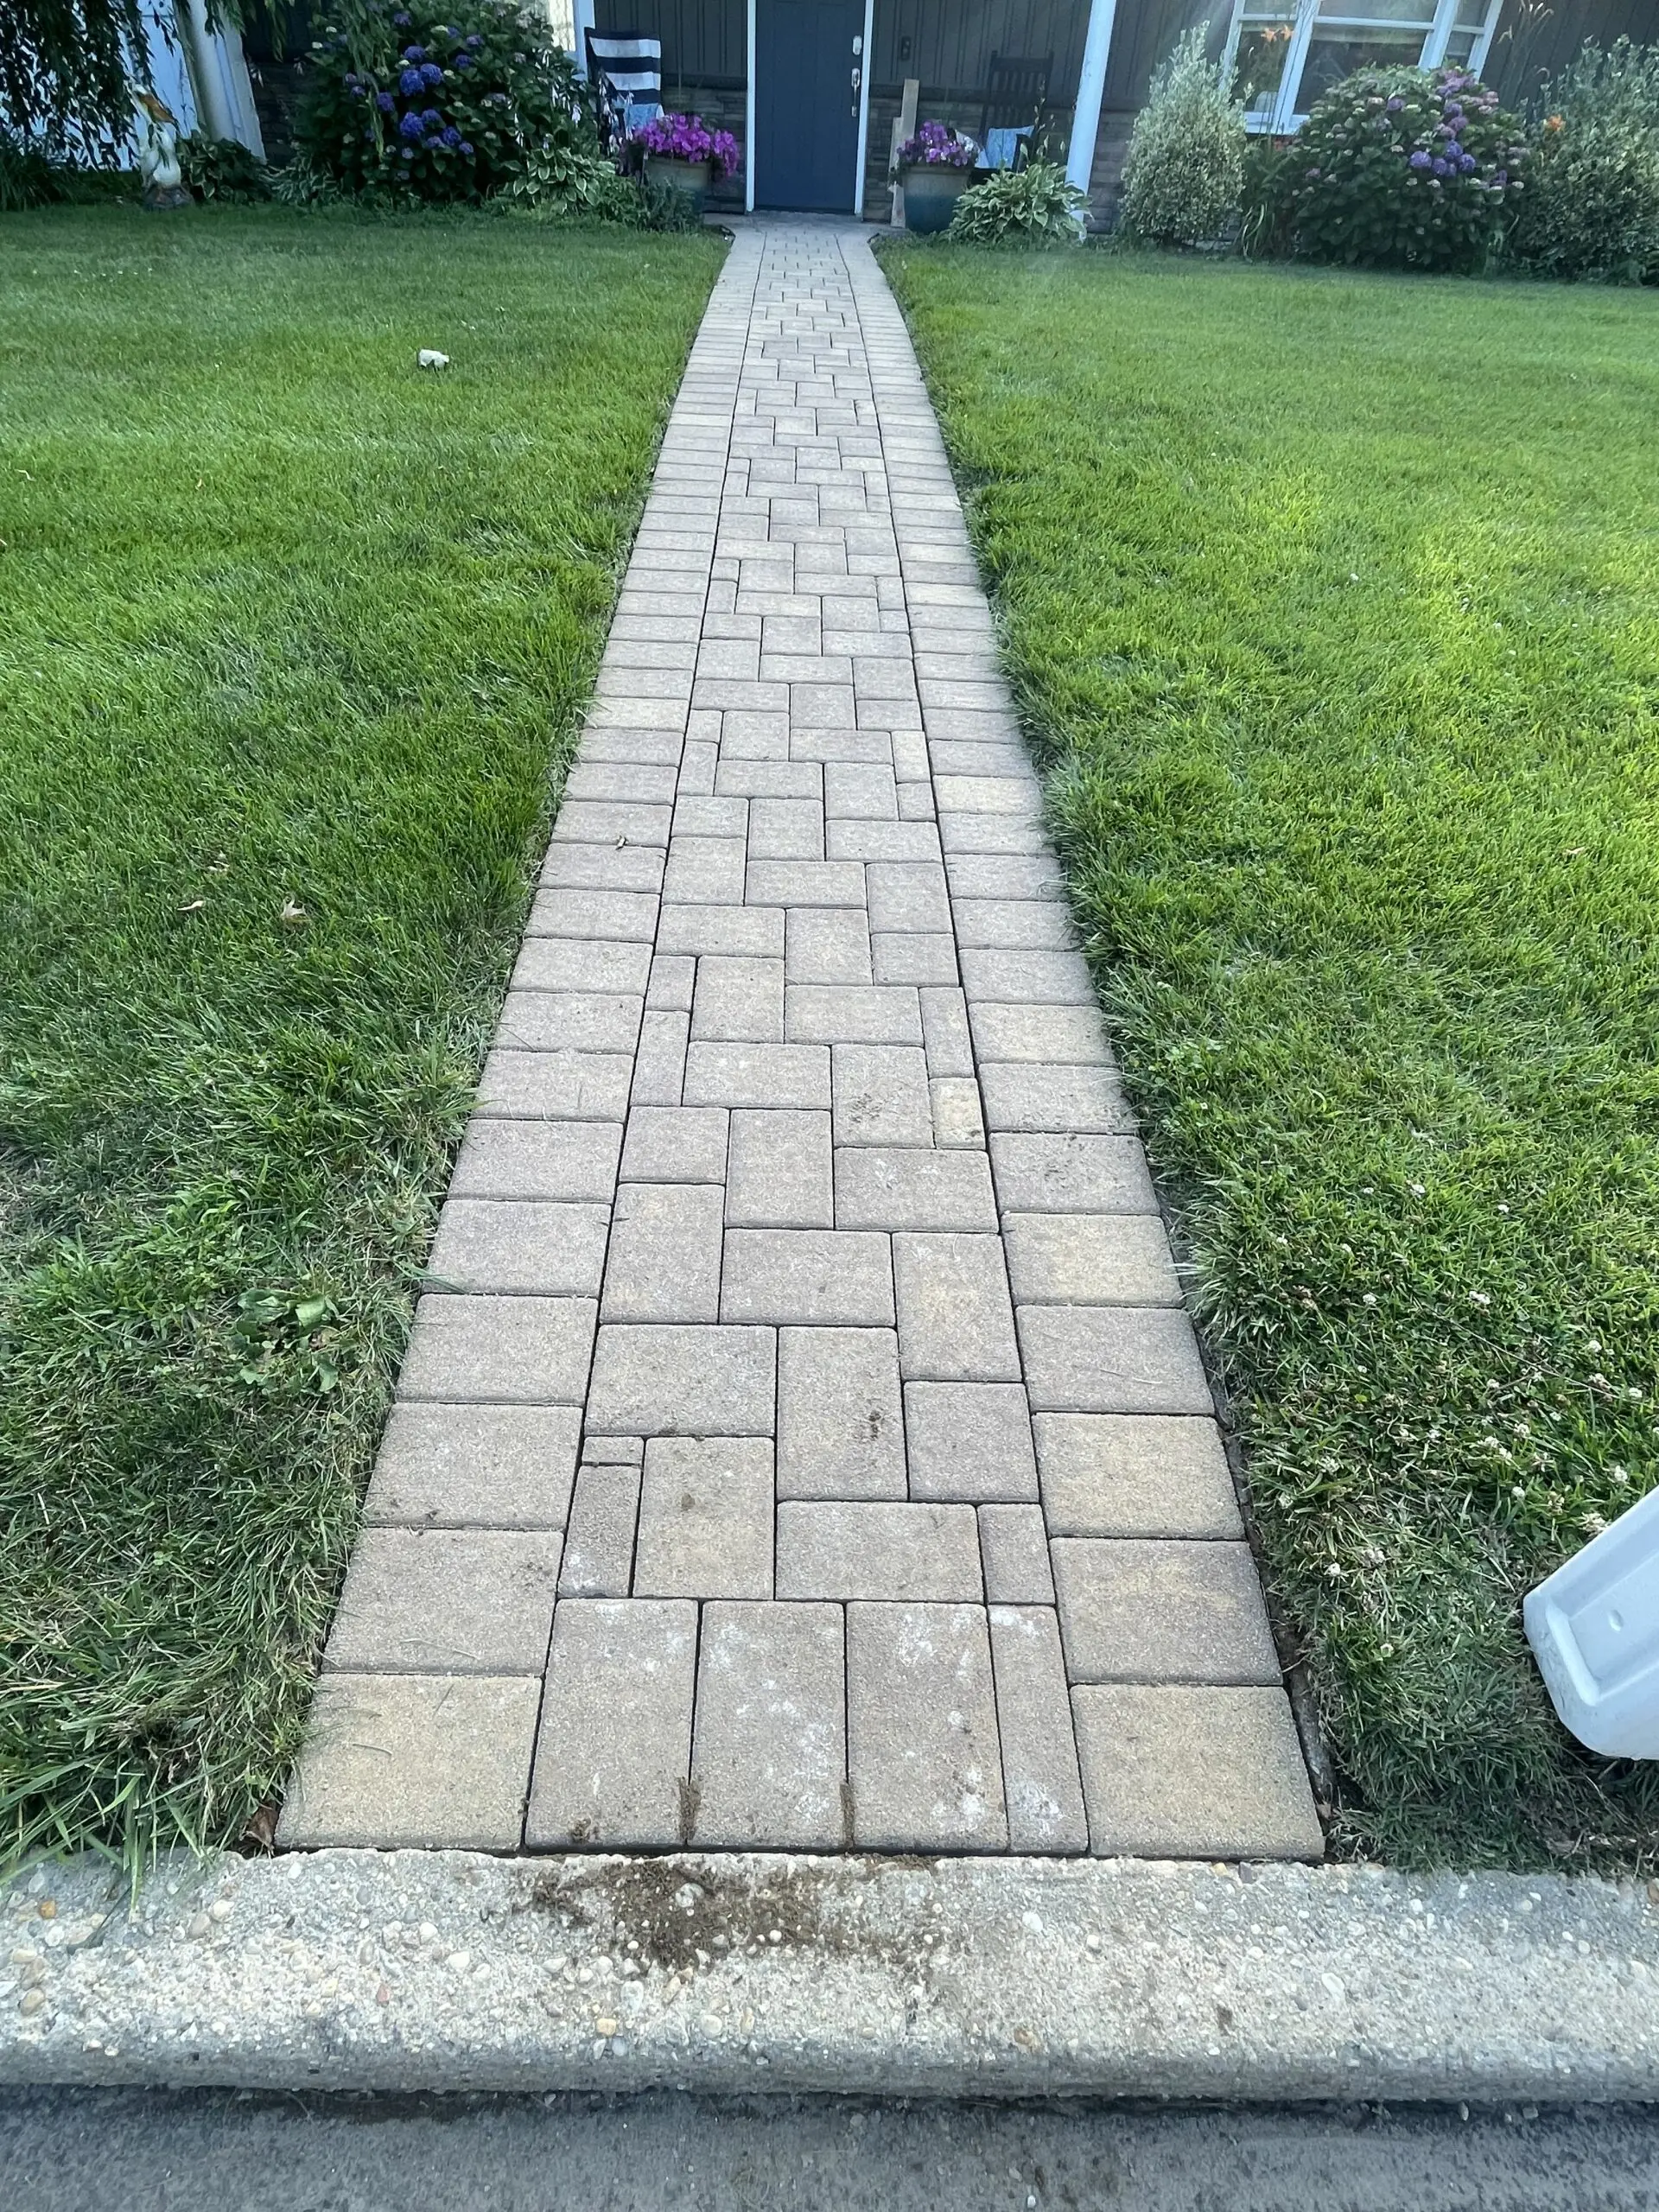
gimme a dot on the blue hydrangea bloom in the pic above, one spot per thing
(451, 135)
(463, 61)
(431, 119)
(409, 153)
(414, 53)
(1467, 165)
(1441, 165)
(410, 127)
(433, 75)
(476, 41)
(467, 148)
(1419, 161)
(384, 102)
(411, 83)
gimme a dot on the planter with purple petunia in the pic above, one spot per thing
(936, 167)
(683, 153)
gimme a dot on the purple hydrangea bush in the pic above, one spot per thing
(439, 101)
(1407, 168)
(936, 146)
(687, 139)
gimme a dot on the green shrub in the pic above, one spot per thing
(223, 168)
(1181, 181)
(1407, 168)
(1592, 207)
(1032, 207)
(434, 102)
(27, 178)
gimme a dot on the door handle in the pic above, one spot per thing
(858, 80)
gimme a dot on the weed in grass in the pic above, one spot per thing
(1333, 606)
(293, 643)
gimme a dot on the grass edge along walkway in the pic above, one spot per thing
(294, 642)
(1332, 604)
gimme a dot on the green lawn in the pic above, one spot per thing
(1333, 605)
(294, 640)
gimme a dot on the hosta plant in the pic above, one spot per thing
(1032, 207)
(1407, 168)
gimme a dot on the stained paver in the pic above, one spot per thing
(802, 1443)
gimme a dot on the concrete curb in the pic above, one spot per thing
(1012, 1977)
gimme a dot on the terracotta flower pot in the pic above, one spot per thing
(931, 191)
(692, 178)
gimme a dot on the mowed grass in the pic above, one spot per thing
(1332, 601)
(293, 641)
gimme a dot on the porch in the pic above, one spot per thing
(810, 116)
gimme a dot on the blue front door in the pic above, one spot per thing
(806, 77)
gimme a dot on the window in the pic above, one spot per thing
(1285, 55)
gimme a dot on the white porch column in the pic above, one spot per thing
(1091, 87)
(219, 73)
(581, 22)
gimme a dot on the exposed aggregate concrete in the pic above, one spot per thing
(976, 1977)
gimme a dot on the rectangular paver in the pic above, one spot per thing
(923, 1758)
(769, 1760)
(613, 1755)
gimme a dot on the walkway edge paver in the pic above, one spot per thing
(401, 1971)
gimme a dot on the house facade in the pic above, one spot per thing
(812, 88)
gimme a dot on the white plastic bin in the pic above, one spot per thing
(1593, 1627)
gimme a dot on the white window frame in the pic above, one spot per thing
(1280, 119)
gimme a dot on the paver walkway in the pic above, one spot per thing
(801, 1443)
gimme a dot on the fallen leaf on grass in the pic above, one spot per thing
(293, 913)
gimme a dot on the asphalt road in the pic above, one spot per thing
(213, 2151)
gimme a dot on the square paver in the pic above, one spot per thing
(675, 1144)
(970, 1441)
(738, 1000)
(956, 1321)
(866, 1550)
(924, 1757)
(475, 1466)
(446, 1601)
(881, 1095)
(417, 1761)
(613, 1755)
(705, 1518)
(1040, 1779)
(841, 1431)
(1135, 1475)
(1175, 1772)
(779, 1175)
(665, 1253)
(1163, 1611)
(769, 1760)
(828, 944)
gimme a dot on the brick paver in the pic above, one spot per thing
(802, 1443)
